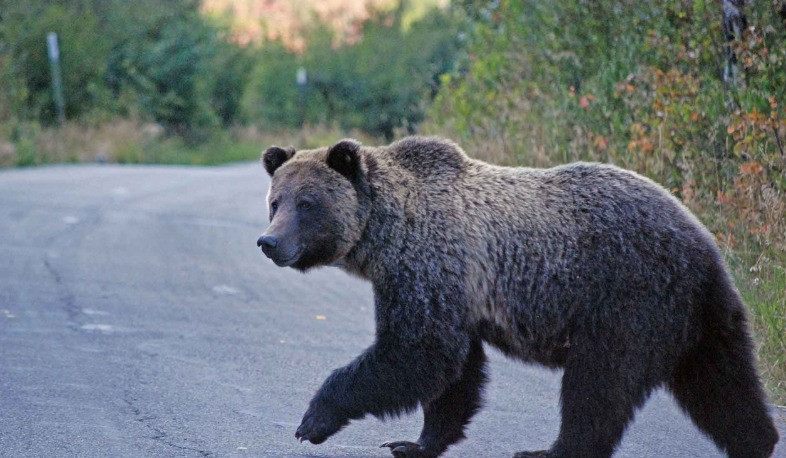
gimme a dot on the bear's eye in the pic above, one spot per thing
(274, 206)
(304, 205)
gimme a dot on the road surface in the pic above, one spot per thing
(138, 318)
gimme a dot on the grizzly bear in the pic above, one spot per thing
(585, 267)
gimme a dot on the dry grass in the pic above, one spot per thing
(116, 141)
(132, 141)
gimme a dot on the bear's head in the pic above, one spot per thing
(318, 201)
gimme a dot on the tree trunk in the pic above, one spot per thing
(734, 25)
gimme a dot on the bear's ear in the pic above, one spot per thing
(275, 156)
(344, 158)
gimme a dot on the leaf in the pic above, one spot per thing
(751, 168)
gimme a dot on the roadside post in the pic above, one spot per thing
(57, 78)
(301, 79)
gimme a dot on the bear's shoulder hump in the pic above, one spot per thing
(428, 155)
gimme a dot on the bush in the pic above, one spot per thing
(379, 83)
(164, 63)
(271, 98)
(82, 53)
(168, 64)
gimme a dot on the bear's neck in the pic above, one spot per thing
(373, 256)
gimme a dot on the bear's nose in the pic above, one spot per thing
(267, 242)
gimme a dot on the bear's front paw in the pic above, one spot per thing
(404, 449)
(319, 423)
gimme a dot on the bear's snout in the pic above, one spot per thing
(268, 243)
(283, 254)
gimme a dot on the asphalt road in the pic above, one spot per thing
(138, 318)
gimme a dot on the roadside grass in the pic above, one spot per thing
(762, 283)
(129, 141)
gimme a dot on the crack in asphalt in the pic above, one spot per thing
(159, 435)
(90, 218)
(67, 298)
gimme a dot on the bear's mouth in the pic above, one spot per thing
(289, 261)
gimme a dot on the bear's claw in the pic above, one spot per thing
(404, 449)
(319, 422)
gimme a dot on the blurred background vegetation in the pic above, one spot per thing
(687, 92)
(186, 81)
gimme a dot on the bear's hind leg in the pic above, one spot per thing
(446, 416)
(601, 390)
(717, 385)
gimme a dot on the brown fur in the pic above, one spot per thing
(585, 266)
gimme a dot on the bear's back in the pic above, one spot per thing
(427, 157)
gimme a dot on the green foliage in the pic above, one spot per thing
(379, 83)
(272, 96)
(235, 64)
(13, 92)
(164, 63)
(169, 64)
(82, 51)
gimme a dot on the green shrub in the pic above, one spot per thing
(379, 83)
(165, 63)
(82, 53)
